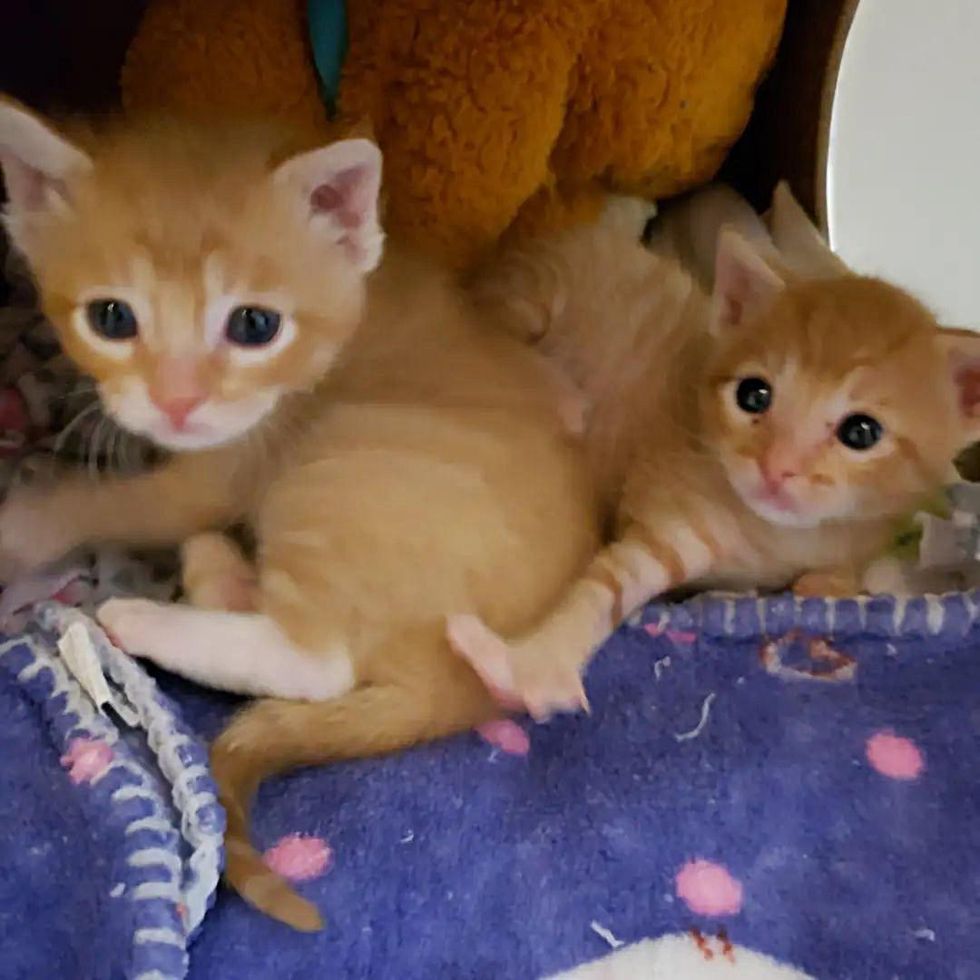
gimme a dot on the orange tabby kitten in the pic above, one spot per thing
(742, 440)
(395, 460)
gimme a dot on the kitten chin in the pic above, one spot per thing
(214, 423)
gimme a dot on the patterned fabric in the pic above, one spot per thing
(115, 860)
(765, 788)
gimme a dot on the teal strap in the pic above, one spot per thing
(327, 24)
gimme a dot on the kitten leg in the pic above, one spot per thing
(542, 670)
(216, 575)
(837, 583)
(161, 507)
(246, 653)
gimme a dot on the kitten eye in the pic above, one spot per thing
(860, 432)
(252, 326)
(753, 395)
(112, 319)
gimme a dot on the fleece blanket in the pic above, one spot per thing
(765, 788)
(112, 830)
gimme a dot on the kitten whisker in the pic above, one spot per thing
(113, 449)
(93, 453)
(62, 436)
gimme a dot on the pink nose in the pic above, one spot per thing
(775, 472)
(177, 408)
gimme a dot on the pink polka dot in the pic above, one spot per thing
(679, 637)
(87, 759)
(894, 756)
(708, 889)
(507, 736)
(299, 857)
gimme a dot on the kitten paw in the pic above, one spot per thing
(134, 625)
(547, 686)
(215, 574)
(518, 677)
(487, 654)
(31, 534)
(830, 585)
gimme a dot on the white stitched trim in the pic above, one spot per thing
(151, 823)
(156, 857)
(157, 889)
(164, 936)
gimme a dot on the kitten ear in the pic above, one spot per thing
(798, 240)
(962, 349)
(340, 185)
(745, 283)
(35, 160)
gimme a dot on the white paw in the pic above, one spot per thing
(485, 652)
(135, 625)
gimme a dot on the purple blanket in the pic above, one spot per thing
(764, 787)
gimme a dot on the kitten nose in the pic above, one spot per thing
(178, 407)
(177, 387)
(775, 471)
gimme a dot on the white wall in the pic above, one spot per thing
(903, 193)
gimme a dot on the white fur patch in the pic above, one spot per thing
(214, 423)
(246, 653)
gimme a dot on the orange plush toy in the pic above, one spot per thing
(494, 115)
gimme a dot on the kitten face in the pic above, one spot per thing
(195, 277)
(199, 360)
(836, 403)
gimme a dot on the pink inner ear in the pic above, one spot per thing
(25, 185)
(347, 197)
(732, 309)
(967, 378)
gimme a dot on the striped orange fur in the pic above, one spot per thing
(702, 489)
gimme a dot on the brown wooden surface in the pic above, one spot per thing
(783, 139)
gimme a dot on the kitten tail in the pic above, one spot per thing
(273, 736)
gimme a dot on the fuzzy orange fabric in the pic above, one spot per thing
(493, 115)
